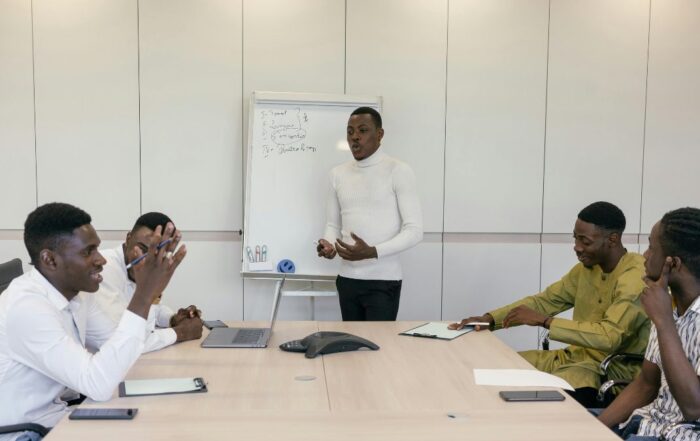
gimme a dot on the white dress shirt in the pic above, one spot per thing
(116, 291)
(42, 350)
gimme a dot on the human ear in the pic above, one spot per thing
(676, 263)
(613, 239)
(47, 259)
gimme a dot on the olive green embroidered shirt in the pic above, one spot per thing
(608, 316)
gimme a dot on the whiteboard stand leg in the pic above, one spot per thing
(312, 299)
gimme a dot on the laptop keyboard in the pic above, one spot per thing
(246, 336)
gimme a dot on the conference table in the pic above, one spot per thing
(410, 389)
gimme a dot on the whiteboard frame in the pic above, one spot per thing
(267, 97)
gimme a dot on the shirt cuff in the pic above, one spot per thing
(133, 325)
(169, 336)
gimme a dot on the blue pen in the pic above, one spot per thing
(264, 253)
(143, 256)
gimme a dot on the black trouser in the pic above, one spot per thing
(368, 300)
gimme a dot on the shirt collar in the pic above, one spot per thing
(122, 265)
(695, 306)
(374, 159)
(55, 297)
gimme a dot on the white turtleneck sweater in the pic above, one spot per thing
(376, 199)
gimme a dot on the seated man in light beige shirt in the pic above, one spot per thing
(48, 316)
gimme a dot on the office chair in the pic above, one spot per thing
(25, 427)
(8, 271)
(611, 384)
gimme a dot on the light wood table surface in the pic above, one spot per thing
(411, 389)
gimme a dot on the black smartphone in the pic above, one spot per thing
(531, 395)
(211, 324)
(103, 414)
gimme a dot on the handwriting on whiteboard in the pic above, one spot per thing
(284, 131)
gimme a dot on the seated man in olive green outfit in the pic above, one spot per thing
(604, 289)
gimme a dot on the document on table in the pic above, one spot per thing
(436, 330)
(161, 386)
(518, 377)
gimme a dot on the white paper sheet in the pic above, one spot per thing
(518, 377)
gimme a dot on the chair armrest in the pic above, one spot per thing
(25, 427)
(605, 364)
(605, 387)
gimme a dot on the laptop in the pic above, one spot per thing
(243, 337)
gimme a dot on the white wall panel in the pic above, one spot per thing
(495, 115)
(479, 277)
(672, 151)
(294, 46)
(87, 111)
(421, 290)
(17, 161)
(398, 49)
(191, 111)
(595, 108)
(209, 277)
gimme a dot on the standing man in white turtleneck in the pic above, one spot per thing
(373, 214)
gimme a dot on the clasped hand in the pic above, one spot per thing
(359, 251)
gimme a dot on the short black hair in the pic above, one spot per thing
(152, 220)
(376, 117)
(49, 224)
(604, 215)
(680, 237)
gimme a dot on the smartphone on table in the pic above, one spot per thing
(103, 414)
(211, 324)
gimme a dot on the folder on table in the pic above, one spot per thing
(436, 330)
(162, 386)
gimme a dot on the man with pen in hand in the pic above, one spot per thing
(164, 327)
(667, 392)
(49, 315)
(603, 289)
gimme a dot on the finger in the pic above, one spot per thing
(663, 280)
(177, 258)
(454, 326)
(168, 233)
(356, 238)
(153, 244)
(176, 238)
(342, 252)
(342, 244)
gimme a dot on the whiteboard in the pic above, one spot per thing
(294, 140)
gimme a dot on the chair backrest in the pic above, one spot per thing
(8, 271)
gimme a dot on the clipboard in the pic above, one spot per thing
(436, 330)
(162, 386)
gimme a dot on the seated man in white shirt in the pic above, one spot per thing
(117, 288)
(48, 315)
